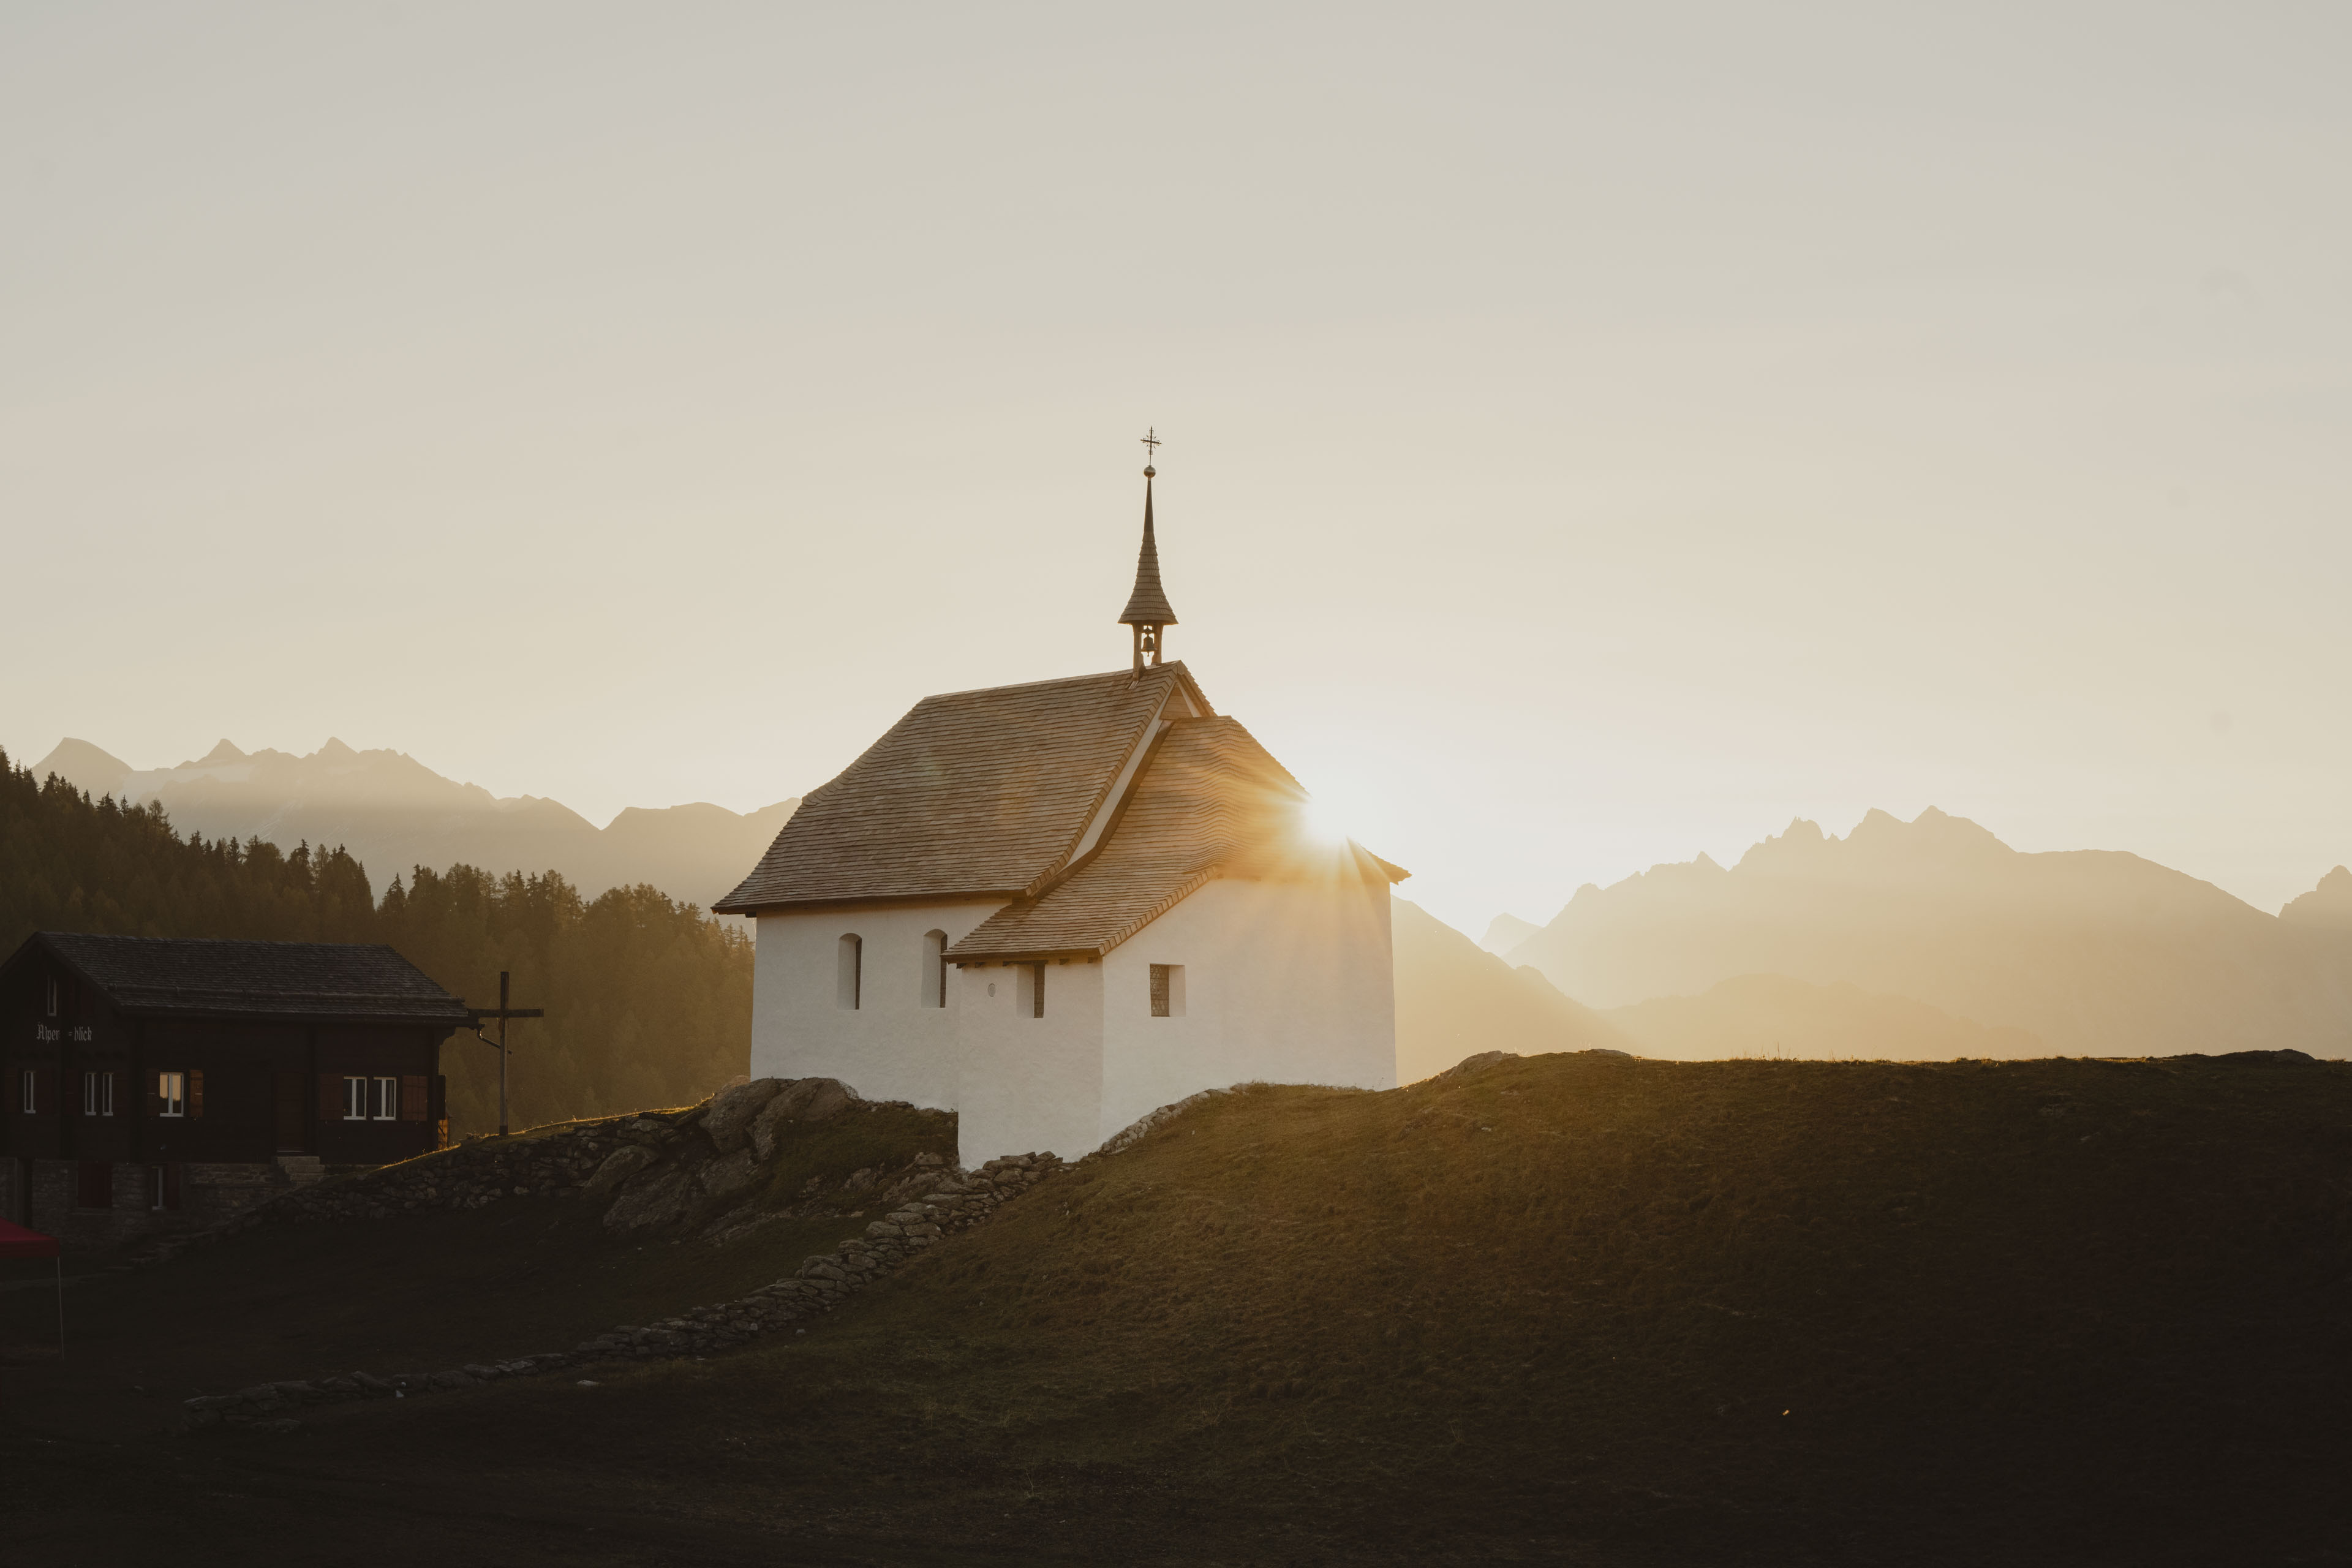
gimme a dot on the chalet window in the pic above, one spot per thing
(162, 1187)
(384, 1099)
(172, 1094)
(848, 975)
(28, 1091)
(356, 1099)
(935, 969)
(53, 996)
(95, 1185)
(1032, 988)
(98, 1094)
(1167, 990)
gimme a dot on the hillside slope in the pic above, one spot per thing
(1773, 1016)
(2097, 952)
(1566, 1309)
(1454, 1001)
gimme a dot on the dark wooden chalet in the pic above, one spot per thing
(143, 1080)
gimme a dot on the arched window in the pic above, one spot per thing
(935, 969)
(848, 972)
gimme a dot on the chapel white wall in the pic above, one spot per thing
(891, 1047)
(1030, 1085)
(1284, 983)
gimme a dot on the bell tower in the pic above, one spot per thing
(1147, 611)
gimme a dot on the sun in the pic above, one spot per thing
(1323, 824)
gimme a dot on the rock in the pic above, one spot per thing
(733, 1173)
(728, 1124)
(660, 1199)
(619, 1166)
(802, 1100)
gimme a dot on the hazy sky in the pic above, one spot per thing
(1594, 433)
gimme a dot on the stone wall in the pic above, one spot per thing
(930, 1202)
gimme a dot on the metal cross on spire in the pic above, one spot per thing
(1151, 445)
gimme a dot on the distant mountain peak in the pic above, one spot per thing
(336, 749)
(87, 768)
(1506, 931)
(2330, 903)
(225, 752)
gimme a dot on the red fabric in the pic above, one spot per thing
(16, 1241)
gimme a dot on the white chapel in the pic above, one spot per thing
(1056, 907)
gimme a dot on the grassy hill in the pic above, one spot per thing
(1571, 1307)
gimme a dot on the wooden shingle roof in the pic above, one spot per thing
(309, 981)
(1209, 801)
(973, 793)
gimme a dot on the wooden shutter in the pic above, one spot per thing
(1037, 994)
(412, 1099)
(195, 1092)
(330, 1097)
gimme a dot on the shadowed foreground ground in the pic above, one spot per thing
(1572, 1309)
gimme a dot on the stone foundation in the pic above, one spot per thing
(46, 1194)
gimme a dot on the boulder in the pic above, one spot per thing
(731, 1174)
(800, 1100)
(660, 1199)
(728, 1124)
(618, 1167)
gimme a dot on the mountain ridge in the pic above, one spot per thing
(392, 812)
(2097, 952)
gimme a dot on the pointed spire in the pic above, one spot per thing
(1148, 610)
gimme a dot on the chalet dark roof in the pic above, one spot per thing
(1209, 801)
(1148, 606)
(309, 981)
(974, 794)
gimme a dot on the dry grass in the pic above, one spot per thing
(1571, 1308)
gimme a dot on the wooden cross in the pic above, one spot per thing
(502, 1012)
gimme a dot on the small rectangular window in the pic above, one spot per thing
(28, 1091)
(172, 1093)
(1037, 991)
(162, 1186)
(98, 1094)
(1167, 990)
(356, 1099)
(383, 1098)
(53, 996)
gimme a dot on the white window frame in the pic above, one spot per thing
(383, 1098)
(29, 1084)
(355, 1097)
(53, 995)
(96, 1092)
(172, 1093)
